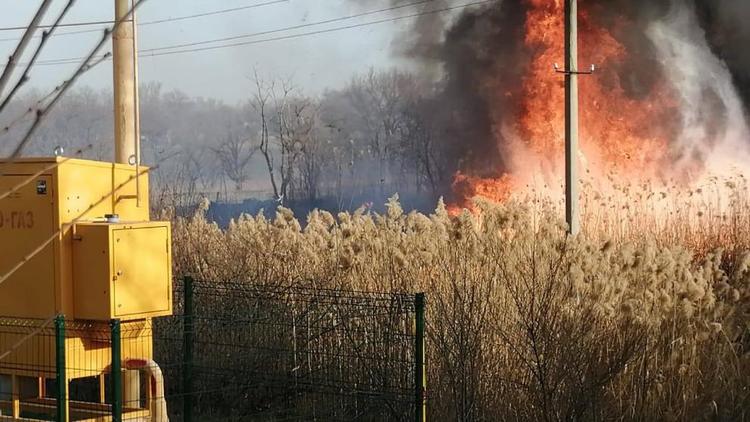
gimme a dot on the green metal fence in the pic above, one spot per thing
(248, 352)
(231, 352)
(44, 363)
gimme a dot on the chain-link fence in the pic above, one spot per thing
(231, 352)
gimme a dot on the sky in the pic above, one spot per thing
(314, 62)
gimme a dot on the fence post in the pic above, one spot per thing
(187, 350)
(420, 376)
(62, 379)
(116, 371)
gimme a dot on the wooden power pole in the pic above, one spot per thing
(572, 216)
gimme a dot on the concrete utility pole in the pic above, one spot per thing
(125, 89)
(572, 216)
(127, 130)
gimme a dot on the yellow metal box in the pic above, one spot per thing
(122, 270)
(40, 201)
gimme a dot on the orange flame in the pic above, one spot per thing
(618, 132)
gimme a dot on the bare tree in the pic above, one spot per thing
(260, 104)
(380, 103)
(234, 155)
(295, 121)
(311, 163)
(420, 148)
(287, 123)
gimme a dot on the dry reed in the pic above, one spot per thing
(644, 317)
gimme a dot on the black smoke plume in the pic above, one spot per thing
(478, 59)
(483, 59)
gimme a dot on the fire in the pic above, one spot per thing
(620, 131)
(466, 186)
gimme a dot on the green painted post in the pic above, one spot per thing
(420, 375)
(62, 380)
(187, 349)
(116, 371)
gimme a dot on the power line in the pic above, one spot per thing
(217, 12)
(141, 24)
(318, 32)
(159, 51)
(18, 28)
(255, 34)
(289, 28)
(60, 34)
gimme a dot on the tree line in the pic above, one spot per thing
(377, 135)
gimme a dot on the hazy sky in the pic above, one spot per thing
(315, 62)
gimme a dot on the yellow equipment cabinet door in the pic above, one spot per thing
(27, 237)
(141, 270)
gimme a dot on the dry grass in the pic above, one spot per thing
(650, 323)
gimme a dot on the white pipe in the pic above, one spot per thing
(157, 402)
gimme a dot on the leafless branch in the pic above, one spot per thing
(45, 36)
(87, 63)
(21, 47)
(39, 105)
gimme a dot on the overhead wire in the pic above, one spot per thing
(145, 23)
(216, 12)
(273, 31)
(160, 51)
(65, 25)
(300, 26)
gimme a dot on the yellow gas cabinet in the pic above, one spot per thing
(58, 253)
(76, 240)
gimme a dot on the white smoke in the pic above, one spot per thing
(714, 126)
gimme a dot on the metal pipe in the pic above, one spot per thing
(572, 216)
(123, 66)
(136, 110)
(156, 400)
